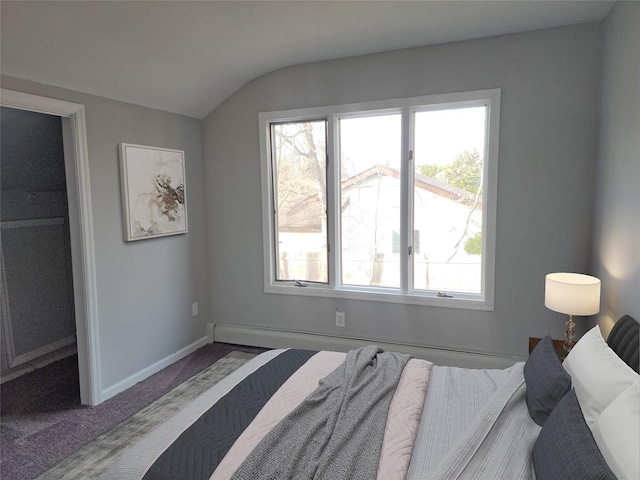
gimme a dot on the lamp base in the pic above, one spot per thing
(569, 343)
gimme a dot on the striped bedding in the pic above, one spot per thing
(426, 432)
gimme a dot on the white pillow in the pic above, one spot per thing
(597, 374)
(617, 433)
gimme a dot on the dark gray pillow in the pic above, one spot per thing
(547, 380)
(565, 448)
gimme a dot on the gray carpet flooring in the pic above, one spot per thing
(42, 421)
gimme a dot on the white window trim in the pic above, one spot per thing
(484, 301)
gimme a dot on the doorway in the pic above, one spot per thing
(38, 323)
(81, 232)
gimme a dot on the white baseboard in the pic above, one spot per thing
(271, 338)
(128, 382)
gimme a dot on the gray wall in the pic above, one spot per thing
(616, 253)
(145, 288)
(548, 149)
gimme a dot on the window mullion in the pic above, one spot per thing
(333, 200)
(406, 223)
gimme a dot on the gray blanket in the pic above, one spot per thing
(337, 431)
(488, 440)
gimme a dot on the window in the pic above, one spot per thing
(299, 183)
(370, 158)
(391, 201)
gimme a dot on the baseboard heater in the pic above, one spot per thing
(273, 338)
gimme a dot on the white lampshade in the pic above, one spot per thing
(572, 293)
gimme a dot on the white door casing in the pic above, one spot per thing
(81, 228)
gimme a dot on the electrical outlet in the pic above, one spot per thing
(340, 319)
(194, 309)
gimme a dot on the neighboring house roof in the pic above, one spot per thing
(306, 215)
(426, 183)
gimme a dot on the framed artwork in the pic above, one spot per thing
(154, 196)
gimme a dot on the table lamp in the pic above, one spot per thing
(573, 294)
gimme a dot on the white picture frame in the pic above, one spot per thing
(154, 192)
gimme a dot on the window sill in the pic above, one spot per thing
(468, 302)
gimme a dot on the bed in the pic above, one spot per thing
(372, 414)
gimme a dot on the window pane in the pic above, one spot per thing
(448, 199)
(370, 150)
(299, 158)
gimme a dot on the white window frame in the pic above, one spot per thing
(407, 106)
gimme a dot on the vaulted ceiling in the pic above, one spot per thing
(188, 56)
